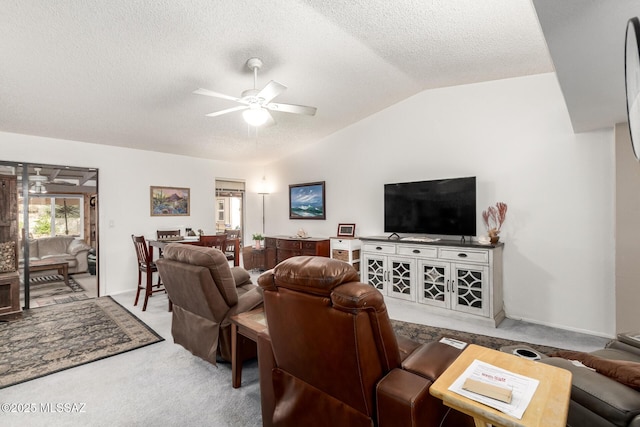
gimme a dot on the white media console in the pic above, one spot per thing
(462, 280)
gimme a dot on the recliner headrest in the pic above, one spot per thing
(312, 274)
(194, 255)
(212, 259)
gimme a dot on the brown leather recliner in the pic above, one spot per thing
(205, 293)
(330, 356)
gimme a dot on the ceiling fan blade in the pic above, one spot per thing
(270, 120)
(208, 92)
(228, 110)
(270, 91)
(292, 108)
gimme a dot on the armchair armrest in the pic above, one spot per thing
(627, 342)
(77, 246)
(403, 399)
(403, 394)
(431, 360)
(240, 276)
(633, 352)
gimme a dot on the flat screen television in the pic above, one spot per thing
(443, 207)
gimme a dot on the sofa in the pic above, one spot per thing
(66, 248)
(330, 356)
(605, 384)
(205, 292)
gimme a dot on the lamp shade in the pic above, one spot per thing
(263, 188)
(255, 115)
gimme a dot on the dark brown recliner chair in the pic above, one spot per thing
(331, 358)
(205, 293)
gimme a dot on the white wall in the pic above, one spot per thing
(627, 233)
(515, 136)
(125, 176)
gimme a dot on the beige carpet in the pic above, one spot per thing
(61, 336)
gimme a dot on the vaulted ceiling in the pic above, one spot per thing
(122, 73)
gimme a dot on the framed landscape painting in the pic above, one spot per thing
(169, 201)
(306, 201)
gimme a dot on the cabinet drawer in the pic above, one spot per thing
(341, 255)
(309, 245)
(286, 254)
(356, 265)
(379, 248)
(288, 244)
(341, 243)
(465, 255)
(344, 255)
(418, 251)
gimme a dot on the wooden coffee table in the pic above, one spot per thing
(51, 264)
(249, 325)
(548, 407)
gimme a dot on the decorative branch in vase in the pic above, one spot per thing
(493, 219)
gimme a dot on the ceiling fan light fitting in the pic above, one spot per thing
(255, 116)
(38, 188)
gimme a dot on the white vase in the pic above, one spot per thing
(257, 244)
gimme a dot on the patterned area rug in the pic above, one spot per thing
(51, 289)
(39, 282)
(57, 337)
(423, 334)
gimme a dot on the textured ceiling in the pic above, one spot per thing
(122, 72)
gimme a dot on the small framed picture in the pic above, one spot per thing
(346, 230)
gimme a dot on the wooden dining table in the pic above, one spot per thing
(160, 244)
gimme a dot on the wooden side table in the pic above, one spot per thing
(249, 325)
(548, 407)
(257, 256)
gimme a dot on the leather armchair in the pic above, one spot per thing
(599, 400)
(205, 293)
(330, 356)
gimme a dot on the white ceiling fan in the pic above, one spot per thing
(257, 103)
(37, 182)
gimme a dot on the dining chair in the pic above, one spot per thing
(147, 266)
(218, 241)
(232, 233)
(230, 251)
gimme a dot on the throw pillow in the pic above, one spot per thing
(7, 257)
(622, 371)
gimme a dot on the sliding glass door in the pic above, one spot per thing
(56, 201)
